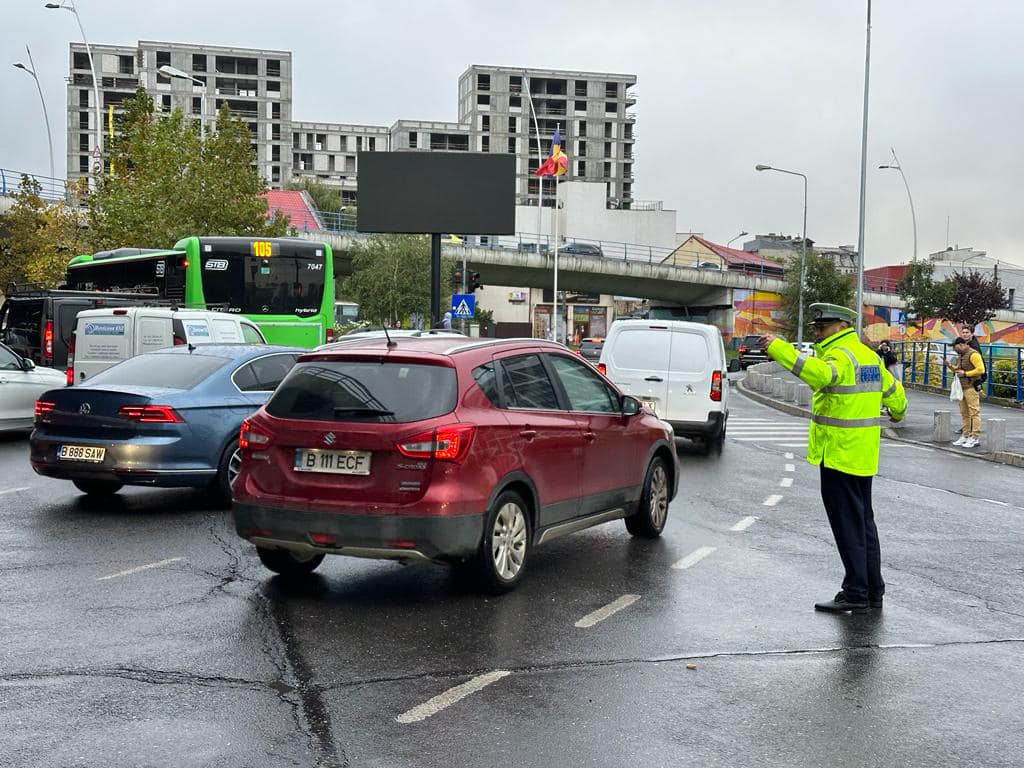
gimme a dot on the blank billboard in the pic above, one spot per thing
(443, 192)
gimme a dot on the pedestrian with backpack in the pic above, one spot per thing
(969, 369)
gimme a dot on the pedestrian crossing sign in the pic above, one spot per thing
(463, 305)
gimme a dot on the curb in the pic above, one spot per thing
(999, 457)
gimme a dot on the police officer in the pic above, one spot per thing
(849, 387)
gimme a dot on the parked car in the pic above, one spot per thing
(467, 451)
(38, 324)
(590, 349)
(21, 382)
(396, 333)
(751, 351)
(581, 249)
(168, 418)
(675, 368)
(105, 337)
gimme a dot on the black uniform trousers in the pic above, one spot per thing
(847, 501)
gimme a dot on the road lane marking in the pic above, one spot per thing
(14, 490)
(130, 571)
(786, 482)
(993, 501)
(772, 500)
(790, 467)
(789, 455)
(792, 445)
(743, 524)
(603, 613)
(767, 439)
(451, 696)
(693, 558)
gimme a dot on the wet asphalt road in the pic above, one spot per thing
(205, 659)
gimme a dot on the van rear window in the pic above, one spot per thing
(364, 392)
(160, 370)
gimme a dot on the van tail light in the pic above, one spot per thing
(178, 341)
(444, 444)
(251, 436)
(328, 335)
(150, 414)
(44, 408)
(716, 386)
(603, 369)
(48, 341)
(69, 373)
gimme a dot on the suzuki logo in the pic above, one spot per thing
(329, 438)
(85, 409)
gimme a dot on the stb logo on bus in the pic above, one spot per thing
(216, 265)
(264, 249)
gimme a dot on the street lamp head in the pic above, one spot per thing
(885, 166)
(19, 65)
(762, 168)
(51, 6)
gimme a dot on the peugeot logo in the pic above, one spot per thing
(329, 438)
(85, 409)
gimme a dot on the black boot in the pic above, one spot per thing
(841, 604)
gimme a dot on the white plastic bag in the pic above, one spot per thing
(956, 392)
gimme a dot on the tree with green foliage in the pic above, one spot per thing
(324, 196)
(824, 283)
(974, 298)
(166, 182)
(38, 238)
(390, 278)
(924, 297)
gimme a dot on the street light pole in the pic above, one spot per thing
(170, 71)
(803, 251)
(69, 5)
(31, 69)
(741, 234)
(894, 164)
(863, 179)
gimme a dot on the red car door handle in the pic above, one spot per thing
(589, 437)
(529, 434)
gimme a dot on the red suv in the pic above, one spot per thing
(446, 449)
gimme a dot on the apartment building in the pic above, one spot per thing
(329, 152)
(255, 84)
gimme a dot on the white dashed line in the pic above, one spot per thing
(743, 524)
(603, 613)
(793, 445)
(786, 482)
(789, 455)
(451, 696)
(693, 558)
(772, 500)
(993, 501)
(14, 490)
(130, 571)
(791, 467)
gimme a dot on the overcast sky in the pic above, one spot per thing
(722, 85)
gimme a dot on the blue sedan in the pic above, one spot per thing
(168, 418)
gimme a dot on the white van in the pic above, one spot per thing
(105, 337)
(676, 368)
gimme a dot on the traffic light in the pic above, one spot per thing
(457, 279)
(474, 282)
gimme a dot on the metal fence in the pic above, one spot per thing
(924, 362)
(49, 188)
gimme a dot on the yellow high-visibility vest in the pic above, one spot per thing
(850, 385)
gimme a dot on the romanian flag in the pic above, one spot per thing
(558, 163)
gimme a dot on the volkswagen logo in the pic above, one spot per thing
(85, 409)
(329, 438)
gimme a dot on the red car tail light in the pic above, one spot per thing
(742, 349)
(323, 539)
(444, 444)
(603, 369)
(48, 341)
(250, 436)
(716, 386)
(150, 414)
(44, 408)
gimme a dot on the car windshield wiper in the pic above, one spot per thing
(341, 410)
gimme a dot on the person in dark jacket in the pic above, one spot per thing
(890, 360)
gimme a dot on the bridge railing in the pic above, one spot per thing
(924, 363)
(49, 187)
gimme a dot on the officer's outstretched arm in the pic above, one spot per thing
(894, 397)
(813, 371)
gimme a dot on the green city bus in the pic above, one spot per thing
(284, 285)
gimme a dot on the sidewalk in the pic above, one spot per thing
(917, 426)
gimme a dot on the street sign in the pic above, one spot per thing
(463, 305)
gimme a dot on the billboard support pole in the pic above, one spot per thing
(435, 280)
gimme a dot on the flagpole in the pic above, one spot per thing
(554, 296)
(540, 157)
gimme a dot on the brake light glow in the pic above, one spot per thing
(603, 369)
(150, 414)
(251, 437)
(323, 539)
(44, 408)
(716, 386)
(445, 444)
(742, 349)
(69, 373)
(48, 341)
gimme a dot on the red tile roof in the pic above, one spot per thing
(295, 204)
(734, 256)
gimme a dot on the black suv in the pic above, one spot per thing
(37, 323)
(751, 352)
